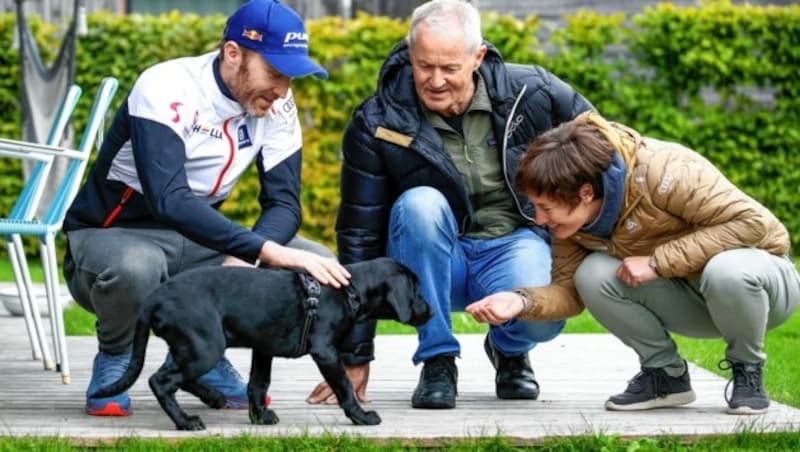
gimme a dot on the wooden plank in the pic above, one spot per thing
(577, 373)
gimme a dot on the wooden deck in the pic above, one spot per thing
(576, 373)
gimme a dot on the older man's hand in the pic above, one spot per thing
(359, 377)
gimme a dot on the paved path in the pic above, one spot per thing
(577, 372)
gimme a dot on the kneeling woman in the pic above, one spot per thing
(653, 239)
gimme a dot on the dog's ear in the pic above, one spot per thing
(401, 293)
(397, 293)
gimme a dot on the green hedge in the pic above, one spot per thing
(684, 74)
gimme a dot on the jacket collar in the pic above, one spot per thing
(613, 193)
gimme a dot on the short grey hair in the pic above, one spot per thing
(440, 13)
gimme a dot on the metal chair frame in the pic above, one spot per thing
(48, 227)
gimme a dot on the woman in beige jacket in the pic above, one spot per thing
(651, 238)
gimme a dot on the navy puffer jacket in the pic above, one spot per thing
(389, 147)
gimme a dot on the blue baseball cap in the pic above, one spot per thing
(276, 32)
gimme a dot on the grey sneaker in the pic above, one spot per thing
(653, 388)
(748, 395)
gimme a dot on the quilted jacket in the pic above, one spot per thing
(389, 147)
(677, 207)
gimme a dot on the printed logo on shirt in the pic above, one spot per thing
(174, 107)
(289, 106)
(205, 129)
(244, 137)
(666, 184)
(512, 127)
(285, 109)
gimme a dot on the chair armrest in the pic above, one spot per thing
(35, 151)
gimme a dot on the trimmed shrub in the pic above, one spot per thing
(720, 78)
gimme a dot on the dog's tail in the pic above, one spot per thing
(128, 378)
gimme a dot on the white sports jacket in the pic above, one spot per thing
(176, 148)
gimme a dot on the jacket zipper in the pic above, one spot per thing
(505, 156)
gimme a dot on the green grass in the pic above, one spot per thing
(744, 441)
(7, 275)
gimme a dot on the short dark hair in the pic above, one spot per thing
(560, 161)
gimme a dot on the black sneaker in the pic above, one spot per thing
(653, 388)
(515, 378)
(437, 387)
(749, 395)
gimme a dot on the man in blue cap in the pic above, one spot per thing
(188, 130)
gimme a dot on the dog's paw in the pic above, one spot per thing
(367, 418)
(264, 417)
(192, 423)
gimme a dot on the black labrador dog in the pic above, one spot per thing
(276, 313)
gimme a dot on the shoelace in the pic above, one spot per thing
(741, 377)
(227, 370)
(111, 367)
(438, 369)
(658, 378)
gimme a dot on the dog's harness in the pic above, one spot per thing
(313, 292)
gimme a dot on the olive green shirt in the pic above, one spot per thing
(477, 157)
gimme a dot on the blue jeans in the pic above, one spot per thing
(457, 271)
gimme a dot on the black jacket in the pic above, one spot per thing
(389, 147)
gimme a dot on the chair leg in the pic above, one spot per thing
(48, 285)
(27, 299)
(22, 293)
(48, 253)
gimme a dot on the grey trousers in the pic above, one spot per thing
(739, 296)
(110, 272)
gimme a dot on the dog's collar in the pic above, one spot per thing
(313, 291)
(352, 299)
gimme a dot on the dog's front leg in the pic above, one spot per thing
(333, 371)
(260, 377)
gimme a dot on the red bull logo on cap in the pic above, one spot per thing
(252, 35)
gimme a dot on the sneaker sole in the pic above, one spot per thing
(110, 409)
(681, 398)
(746, 410)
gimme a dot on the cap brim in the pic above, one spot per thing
(295, 66)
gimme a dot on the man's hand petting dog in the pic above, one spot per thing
(201, 312)
(326, 270)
